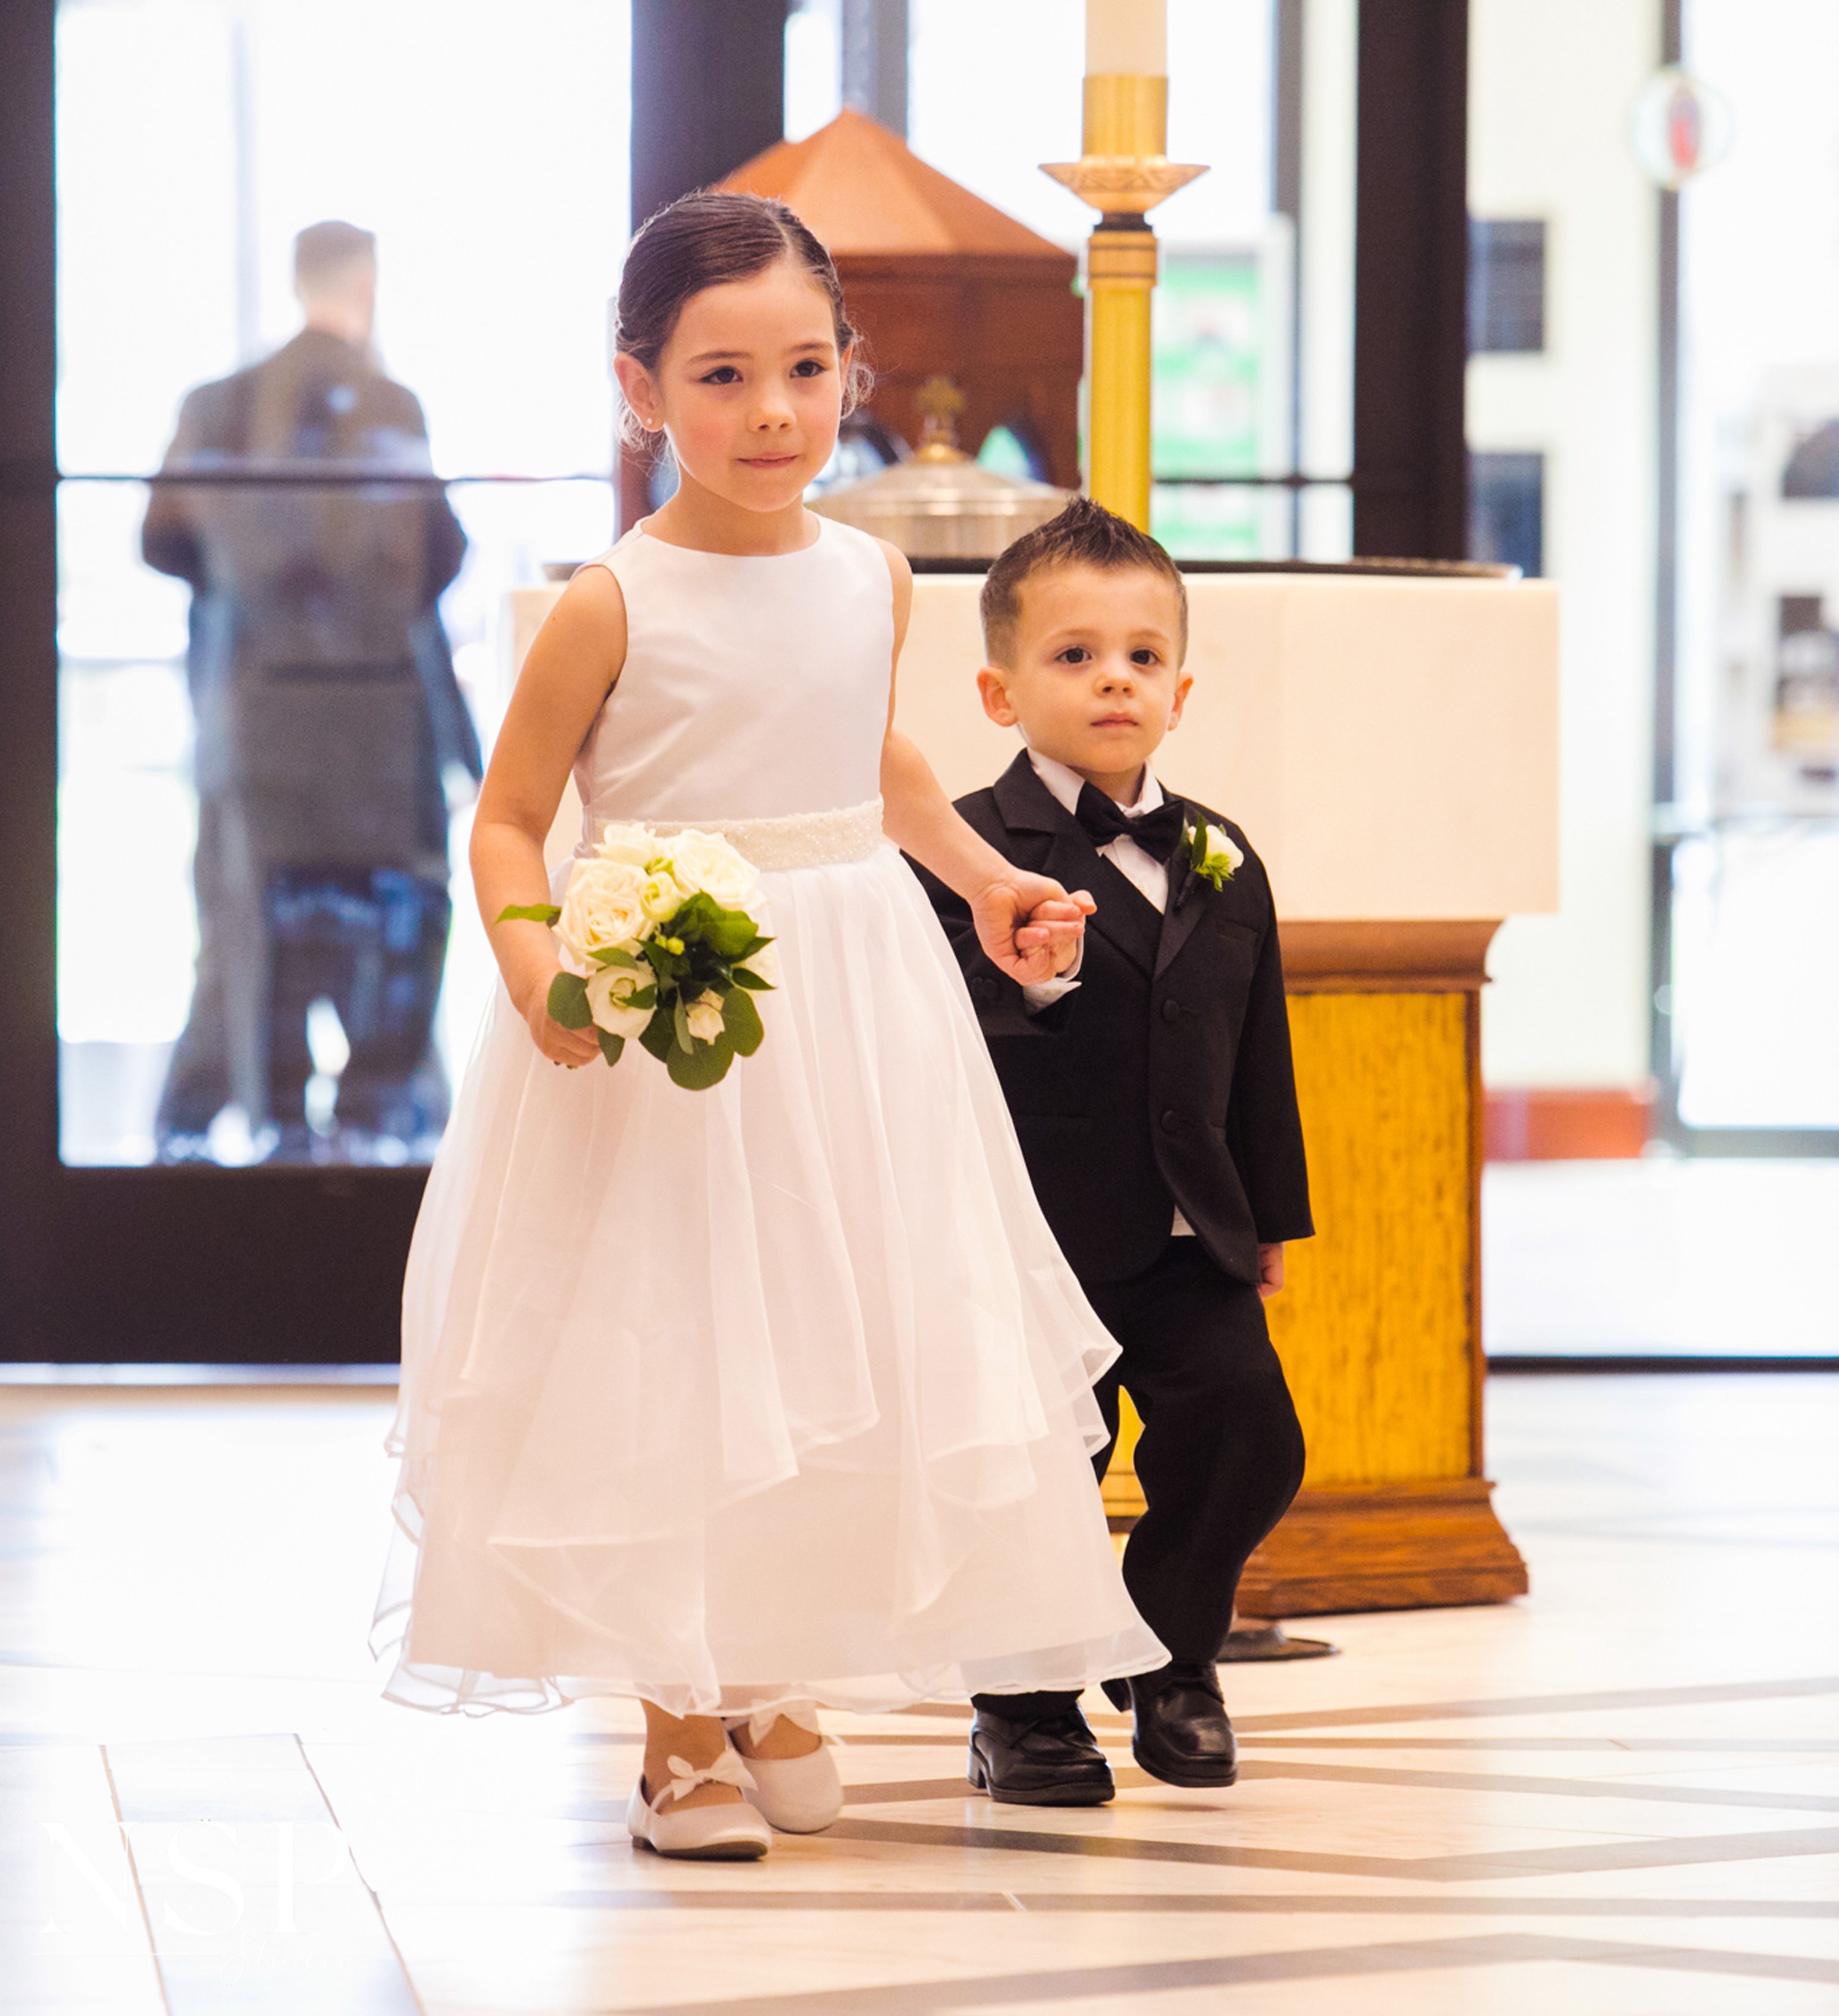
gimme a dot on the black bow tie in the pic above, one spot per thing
(1156, 832)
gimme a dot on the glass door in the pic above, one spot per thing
(1750, 989)
(333, 401)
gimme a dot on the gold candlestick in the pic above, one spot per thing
(1124, 171)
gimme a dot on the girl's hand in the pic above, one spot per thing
(560, 1045)
(1270, 1271)
(1028, 926)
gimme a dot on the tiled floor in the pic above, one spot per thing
(1621, 1795)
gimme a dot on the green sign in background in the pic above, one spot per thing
(1209, 349)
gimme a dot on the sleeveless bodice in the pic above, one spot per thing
(754, 687)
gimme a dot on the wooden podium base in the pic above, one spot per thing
(1384, 1546)
(1378, 1329)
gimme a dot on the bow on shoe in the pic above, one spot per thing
(727, 1770)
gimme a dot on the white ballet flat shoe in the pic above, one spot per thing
(734, 1833)
(796, 1794)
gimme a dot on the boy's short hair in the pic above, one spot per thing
(1084, 534)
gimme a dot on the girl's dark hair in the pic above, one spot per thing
(705, 240)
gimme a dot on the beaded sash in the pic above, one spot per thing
(793, 840)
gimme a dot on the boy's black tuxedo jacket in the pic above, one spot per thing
(1164, 1078)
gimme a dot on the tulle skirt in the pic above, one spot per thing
(779, 1391)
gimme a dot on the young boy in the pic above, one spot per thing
(1153, 1092)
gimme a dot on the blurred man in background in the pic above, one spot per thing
(329, 726)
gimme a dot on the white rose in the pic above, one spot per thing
(706, 861)
(635, 846)
(610, 990)
(765, 962)
(601, 908)
(663, 895)
(1220, 846)
(704, 1016)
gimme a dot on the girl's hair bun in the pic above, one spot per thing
(706, 239)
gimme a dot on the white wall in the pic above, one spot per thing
(1551, 88)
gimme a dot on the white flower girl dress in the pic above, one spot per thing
(779, 1391)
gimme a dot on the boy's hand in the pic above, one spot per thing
(1270, 1271)
(1028, 926)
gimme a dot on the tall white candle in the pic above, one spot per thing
(1126, 37)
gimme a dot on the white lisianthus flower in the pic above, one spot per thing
(765, 962)
(704, 1016)
(629, 843)
(706, 861)
(610, 991)
(602, 907)
(1221, 847)
(1215, 854)
(663, 895)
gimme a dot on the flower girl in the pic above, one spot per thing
(749, 1396)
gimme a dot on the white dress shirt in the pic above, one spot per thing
(1136, 864)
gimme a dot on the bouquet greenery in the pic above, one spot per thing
(657, 942)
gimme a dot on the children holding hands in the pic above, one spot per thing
(745, 1391)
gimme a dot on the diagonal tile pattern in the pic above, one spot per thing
(1318, 1963)
(1619, 1795)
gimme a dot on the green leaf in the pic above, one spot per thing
(568, 1001)
(643, 997)
(610, 1045)
(745, 977)
(528, 913)
(657, 1036)
(730, 933)
(697, 1070)
(741, 1024)
(614, 956)
(753, 944)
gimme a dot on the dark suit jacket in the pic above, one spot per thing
(321, 678)
(1165, 1079)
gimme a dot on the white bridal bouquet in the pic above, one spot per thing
(657, 943)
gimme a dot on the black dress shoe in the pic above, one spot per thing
(1054, 1763)
(1182, 1735)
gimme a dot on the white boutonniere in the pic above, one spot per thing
(1212, 853)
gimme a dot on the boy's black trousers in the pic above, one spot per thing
(1221, 1454)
